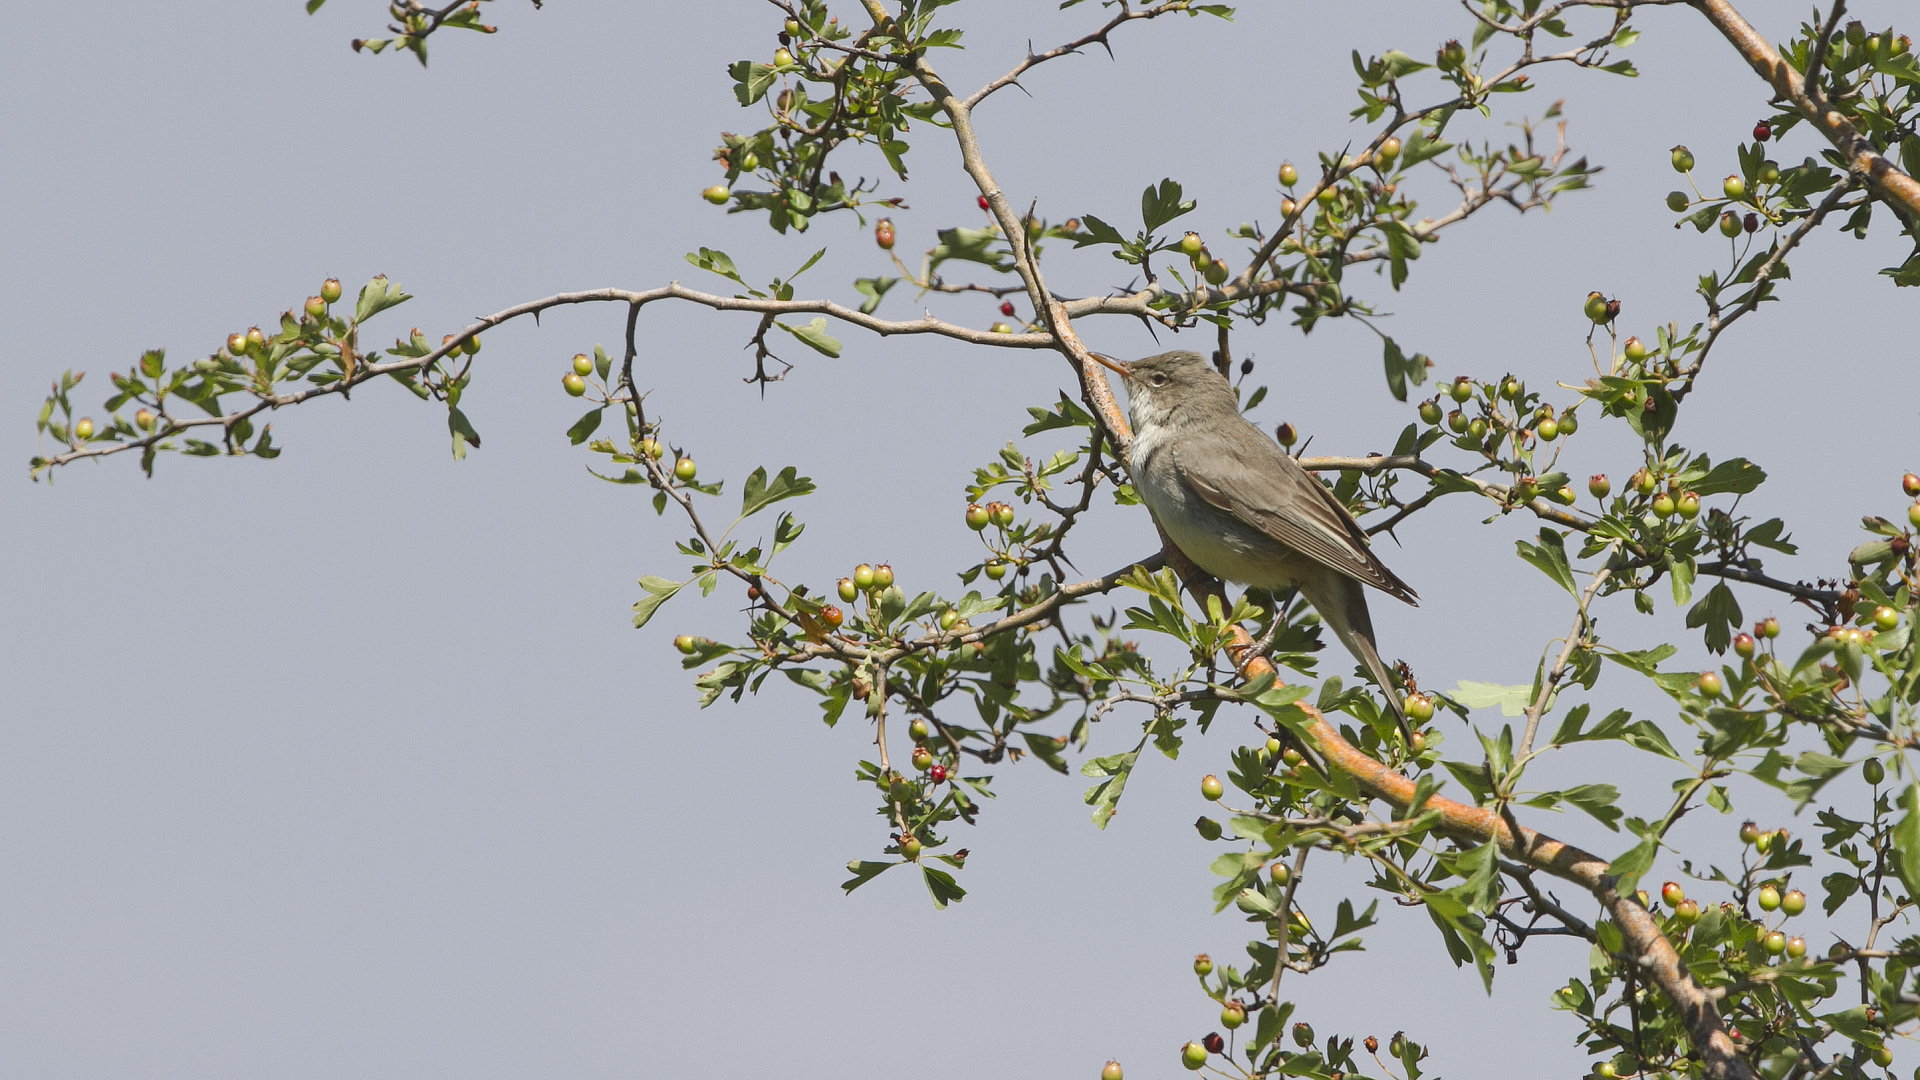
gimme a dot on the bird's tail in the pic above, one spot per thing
(1342, 604)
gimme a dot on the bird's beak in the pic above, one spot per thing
(1110, 364)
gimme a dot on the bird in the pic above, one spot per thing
(1242, 509)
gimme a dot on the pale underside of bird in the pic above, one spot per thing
(1245, 511)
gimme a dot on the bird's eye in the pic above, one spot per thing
(1158, 380)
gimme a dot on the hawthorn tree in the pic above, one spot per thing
(1704, 978)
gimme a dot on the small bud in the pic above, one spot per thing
(1285, 435)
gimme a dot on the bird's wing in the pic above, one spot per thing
(1253, 479)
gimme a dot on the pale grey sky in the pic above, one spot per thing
(349, 763)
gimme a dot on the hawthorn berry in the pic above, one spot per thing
(1730, 224)
(1769, 898)
(717, 194)
(1389, 150)
(1286, 435)
(1214, 1043)
(1000, 328)
(684, 468)
(1710, 684)
(1462, 389)
(938, 774)
(1002, 513)
(1191, 244)
(1663, 506)
(1193, 1055)
(1281, 874)
(1006, 308)
(1762, 131)
(1303, 1034)
(1793, 901)
(1687, 911)
(1671, 893)
(977, 517)
(1289, 175)
(1688, 505)
(1764, 842)
(1548, 429)
(793, 26)
(1682, 159)
(1797, 948)
(582, 364)
(1678, 201)
(1768, 627)
(1457, 421)
(83, 428)
(1208, 828)
(832, 616)
(1476, 429)
(255, 339)
(1288, 208)
(1734, 187)
(1743, 645)
(1216, 272)
(1211, 788)
(1749, 832)
(1512, 388)
(1203, 965)
(574, 384)
(917, 730)
(1233, 1015)
(1430, 412)
(1327, 196)
(1372, 1044)
(949, 618)
(781, 57)
(144, 419)
(330, 289)
(1569, 422)
(922, 758)
(652, 448)
(1910, 483)
(910, 846)
(1913, 515)
(1110, 1071)
(687, 644)
(1635, 349)
(1872, 771)
(882, 576)
(1751, 223)
(996, 569)
(1596, 307)
(316, 306)
(1885, 618)
(1292, 757)
(1769, 172)
(863, 576)
(984, 204)
(883, 233)
(1419, 707)
(1644, 481)
(1598, 485)
(1775, 943)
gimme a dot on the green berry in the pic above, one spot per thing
(316, 306)
(582, 364)
(1512, 388)
(949, 618)
(1793, 901)
(1193, 1055)
(1749, 832)
(1000, 328)
(1598, 485)
(1303, 1034)
(1430, 412)
(144, 419)
(1730, 224)
(1885, 618)
(1910, 483)
(1111, 1071)
(1419, 708)
(1734, 187)
(781, 57)
(996, 569)
(1678, 201)
(1461, 389)
(330, 290)
(922, 758)
(1002, 513)
(574, 384)
(848, 590)
(1203, 965)
(1635, 349)
(1596, 307)
(1281, 874)
(1688, 505)
(1872, 771)
(863, 576)
(652, 448)
(1743, 645)
(1687, 912)
(910, 846)
(687, 644)
(1569, 422)
(1671, 893)
(1233, 1015)
(1682, 159)
(1769, 898)
(1913, 515)
(1663, 506)
(1209, 829)
(1216, 272)
(1710, 684)
(1775, 943)
(1389, 150)
(1289, 175)
(1457, 421)
(977, 517)
(83, 428)
(882, 576)
(684, 468)
(1769, 172)
(1768, 627)
(717, 194)
(1211, 788)
(1191, 244)
(1548, 429)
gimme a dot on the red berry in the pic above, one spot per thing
(1006, 308)
(938, 774)
(1762, 131)
(1672, 893)
(984, 204)
(883, 233)
(1910, 484)
(832, 616)
(1214, 1043)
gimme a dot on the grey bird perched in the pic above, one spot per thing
(1242, 509)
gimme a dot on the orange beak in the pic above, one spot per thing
(1110, 364)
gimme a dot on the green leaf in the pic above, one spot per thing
(1635, 861)
(1161, 204)
(583, 428)
(1095, 231)
(1550, 556)
(659, 590)
(864, 872)
(942, 887)
(1906, 840)
(759, 494)
(751, 80)
(377, 296)
(1736, 475)
(873, 289)
(815, 334)
(463, 433)
(1513, 700)
(718, 262)
(1104, 797)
